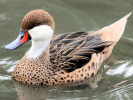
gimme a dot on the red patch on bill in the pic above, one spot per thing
(24, 39)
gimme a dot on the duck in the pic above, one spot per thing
(65, 58)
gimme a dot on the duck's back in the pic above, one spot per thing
(73, 51)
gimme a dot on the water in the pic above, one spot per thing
(70, 16)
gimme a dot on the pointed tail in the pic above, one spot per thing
(114, 31)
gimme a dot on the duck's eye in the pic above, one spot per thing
(37, 24)
(21, 37)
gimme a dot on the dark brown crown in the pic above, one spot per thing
(36, 18)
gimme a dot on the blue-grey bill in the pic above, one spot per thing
(17, 43)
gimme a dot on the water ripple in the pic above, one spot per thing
(5, 61)
(126, 69)
(127, 38)
(2, 17)
(121, 93)
(7, 64)
(5, 77)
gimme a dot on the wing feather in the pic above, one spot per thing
(72, 51)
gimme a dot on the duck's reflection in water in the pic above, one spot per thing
(26, 92)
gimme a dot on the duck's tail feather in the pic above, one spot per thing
(113, 33)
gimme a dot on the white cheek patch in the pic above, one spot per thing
(41, 32)
(41, 36)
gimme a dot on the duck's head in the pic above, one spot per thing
(37, 25)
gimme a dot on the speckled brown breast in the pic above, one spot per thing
(36, 72)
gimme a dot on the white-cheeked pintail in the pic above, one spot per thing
(62, 59)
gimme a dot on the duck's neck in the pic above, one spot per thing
(37, 48)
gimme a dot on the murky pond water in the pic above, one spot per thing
(114, 80)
